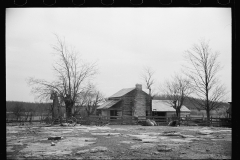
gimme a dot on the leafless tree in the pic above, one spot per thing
(72, 74)
(203, 71)
(147, 77)
(18, 110)
(176, 90)
(89, 100)
(28, 114)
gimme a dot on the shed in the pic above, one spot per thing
(165, 108)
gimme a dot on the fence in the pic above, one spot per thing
(131, 120)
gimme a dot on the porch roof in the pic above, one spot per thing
(108, 104)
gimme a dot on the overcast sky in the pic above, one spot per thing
(121, 40)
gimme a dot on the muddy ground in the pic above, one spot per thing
(118, 142)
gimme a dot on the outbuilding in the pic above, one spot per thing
(165, 108)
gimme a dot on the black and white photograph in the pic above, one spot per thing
(119, 83)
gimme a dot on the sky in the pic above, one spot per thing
(121, 40)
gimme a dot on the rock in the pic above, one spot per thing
(155, 124)
(53, 144)
(54, 138)
(64, 124)
(149, 122)
(173, 123)
(187, 136)
(137, 139)
(204, 133)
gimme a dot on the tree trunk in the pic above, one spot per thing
(52, 110)
(208, 116)
(69, 107)
(178, 114)
(179, 118)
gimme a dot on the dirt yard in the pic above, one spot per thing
(118, 142)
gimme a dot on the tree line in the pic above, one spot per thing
(26, 106)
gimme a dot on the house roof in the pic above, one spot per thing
(108, 104)
(165, 105)
(122, 92)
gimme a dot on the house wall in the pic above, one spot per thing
(105, 113)
(136, 100)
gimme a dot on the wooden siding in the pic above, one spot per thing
(136, 100)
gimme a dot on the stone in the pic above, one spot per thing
(187, 136)
(148, 122)
(54, 138)
(173, 123)
(137, 139)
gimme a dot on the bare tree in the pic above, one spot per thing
(147, 77)
(18, 110)
(202, 71)
(28, 114)
(72, 75)
(176, 90)
(90, 100)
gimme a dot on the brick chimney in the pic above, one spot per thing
(139, 86)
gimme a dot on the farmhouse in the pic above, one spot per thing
(165, 108)
(127, 102)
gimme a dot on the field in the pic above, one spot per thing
(118, 142)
